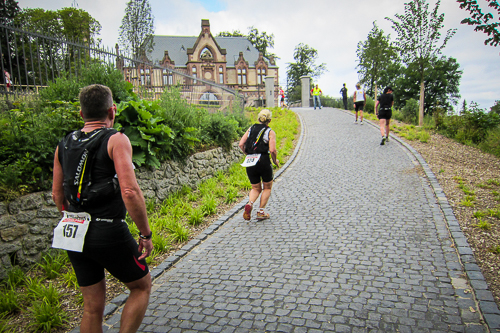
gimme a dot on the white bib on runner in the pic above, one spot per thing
(70, 232)
(251, 160)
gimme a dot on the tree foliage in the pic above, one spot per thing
(137, 29)
(305, 64)
(260, 40)
(481, 20)
(375, 55)
(441, 84)
(9, 9)
(66, 23)
(419, 39)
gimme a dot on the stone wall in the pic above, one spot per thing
(27, 223)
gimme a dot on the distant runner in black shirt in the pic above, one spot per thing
(384, 114)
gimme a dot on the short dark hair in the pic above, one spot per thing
(95, 101)
(386, 90)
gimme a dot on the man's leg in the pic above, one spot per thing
(387, 127)
(94, 299)
(319, 102)
(361, 115)
(314, 99)
(345, 104)
(136, 305)
(266, 193)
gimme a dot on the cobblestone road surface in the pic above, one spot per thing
(357, 242)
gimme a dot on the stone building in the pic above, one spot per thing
(232, 62)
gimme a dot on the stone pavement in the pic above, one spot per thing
(359, 240)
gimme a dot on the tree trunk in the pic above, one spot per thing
(375, 101)
(421, 106)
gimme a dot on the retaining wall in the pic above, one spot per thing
(27, 223)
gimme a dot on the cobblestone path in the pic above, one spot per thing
(356, 242)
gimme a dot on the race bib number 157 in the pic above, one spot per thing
(70, 232)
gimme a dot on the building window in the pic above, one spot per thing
(209, 98)
(261, 74)
(242, 76)
(165, 77)
(221, 75)
(193, 72)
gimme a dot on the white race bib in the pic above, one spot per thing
(70, 232)
(251, 160)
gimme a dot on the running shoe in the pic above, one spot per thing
(355, 122)
(361, 122)
(247, 214)
(387, 139)
(261, 215)
(383, 141)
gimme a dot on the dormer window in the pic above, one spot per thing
(206, 54)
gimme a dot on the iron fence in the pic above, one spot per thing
(32, 60)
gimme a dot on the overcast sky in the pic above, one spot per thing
(332, 27)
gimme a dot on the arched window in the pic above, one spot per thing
(193, 71)
(209, 98)
(206, 54)
(242, 76)
(221, 75)
(261, 75)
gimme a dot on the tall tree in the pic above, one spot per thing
(137, 29)
(261, 40)
(375, 55)
(418, 39)
(441, 84)
(305, 64)
(482, 20)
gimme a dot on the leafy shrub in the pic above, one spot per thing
(410, 111)
(67, 87)
(472, 127)
(491, 143)
(221, 129)
(370, 105)
(28, 138)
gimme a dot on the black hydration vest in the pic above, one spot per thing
(255, 142)
(76, 155)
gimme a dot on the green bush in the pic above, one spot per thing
(221, 129)
(28, 138)
(370, 105)
(67, 87)
(472, 127)
(410, 111)
(492, 142)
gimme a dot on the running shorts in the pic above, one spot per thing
(110, 246)
(384, 114)
(262, 171)
(359, 106)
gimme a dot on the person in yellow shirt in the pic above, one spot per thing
(316, 93)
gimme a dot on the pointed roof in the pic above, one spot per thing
(177, 47)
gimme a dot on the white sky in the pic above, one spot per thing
(332, 27)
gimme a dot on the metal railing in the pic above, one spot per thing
(33, 60)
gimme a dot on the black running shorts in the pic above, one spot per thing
(359, 106)
(110, 246)
(262, 171)
(384, 114)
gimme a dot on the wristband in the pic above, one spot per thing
(145, 237)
